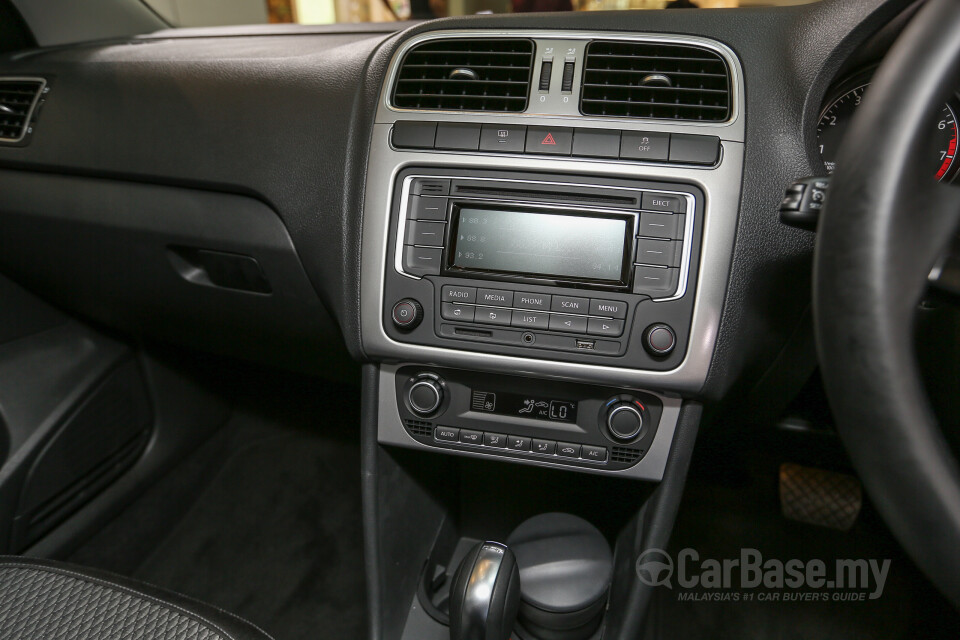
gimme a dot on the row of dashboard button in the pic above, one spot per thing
(649, 146)
(521, 444)
(522, 319)
(535, 301)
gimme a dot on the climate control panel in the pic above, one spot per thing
(521, 418)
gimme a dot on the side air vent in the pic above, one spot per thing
(625, 455)
(655, 80)
(465, 75)
(18, 100)
(419, 428)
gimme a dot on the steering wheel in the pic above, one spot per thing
(883, 235)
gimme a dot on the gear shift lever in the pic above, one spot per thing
(485, 594)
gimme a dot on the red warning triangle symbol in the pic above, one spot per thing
(549, 139)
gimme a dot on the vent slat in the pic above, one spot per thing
(697, 85)
(17, 98)
(503, 68)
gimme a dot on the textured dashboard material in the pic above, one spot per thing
(43, 600)
(288, 119)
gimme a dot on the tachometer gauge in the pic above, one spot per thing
(836, 118)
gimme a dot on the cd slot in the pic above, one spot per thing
(554, 194)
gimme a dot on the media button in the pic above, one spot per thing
(568, 450)
(604, 327)
(531, 301)
(459, 294)
(530, 319)
(570, 324)
(546, 447)
(489, 315)
(497, 440)
(461, 312)
(570, 305)
(609, 308)
(495, 297)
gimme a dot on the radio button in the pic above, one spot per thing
(655, 281)
(661, 225)
(530, 319)
(422, 261)
(570, 324)
(427, 208)
(450, 311)
(662, 202)
(495, 297)
(570, 305)
(604, 327)
(459, 294)
(426, 234)
(489, 315)
(611, 308)
(664, 253)
(531, 301)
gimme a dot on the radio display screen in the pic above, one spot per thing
(525, 242)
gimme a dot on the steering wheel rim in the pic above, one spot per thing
(883, 227)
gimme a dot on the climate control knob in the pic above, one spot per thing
(624, 420)
(425, 396)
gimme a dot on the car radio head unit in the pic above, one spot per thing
(540, 243)
(581, 269)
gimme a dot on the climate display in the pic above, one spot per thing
(521, 406)
(540, 244)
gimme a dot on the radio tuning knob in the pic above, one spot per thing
(407, 314)
(425, 396)
(625, 420)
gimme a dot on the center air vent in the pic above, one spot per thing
(465, 75)
(18, 98)
(655, 80)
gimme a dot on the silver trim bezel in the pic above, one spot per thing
(689, 212)
(33, 106)
(543, 39)
(390, 431)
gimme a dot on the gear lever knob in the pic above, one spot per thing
(485, 594)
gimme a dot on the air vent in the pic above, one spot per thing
(419, 428)
(655, 80)
(465, 75)
(625, 455)
(18, 99)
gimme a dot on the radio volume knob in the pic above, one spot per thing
(407, 314)
(624, 421)
(425, 396)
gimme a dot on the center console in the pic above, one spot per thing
(541, 282)
(548, 225)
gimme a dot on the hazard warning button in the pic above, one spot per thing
(556, 141)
